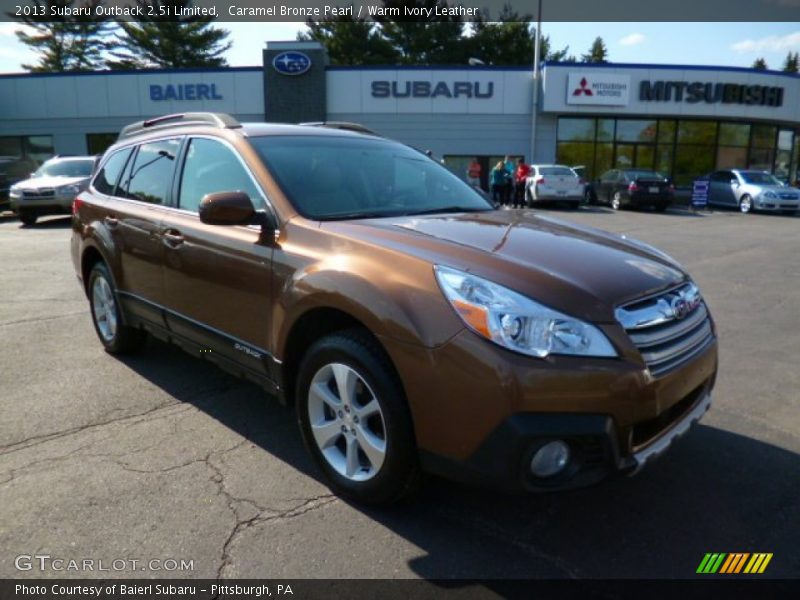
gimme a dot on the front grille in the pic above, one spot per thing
(669, 329)
(49, 193)
(788, 196)
(647, 431)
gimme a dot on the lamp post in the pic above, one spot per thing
(536, 59)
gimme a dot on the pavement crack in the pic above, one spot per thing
(41, 439)
(40, 319)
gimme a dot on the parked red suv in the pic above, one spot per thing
(411, 325)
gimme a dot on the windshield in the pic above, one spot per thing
(65, 168)
(332, 177)
(759, 177)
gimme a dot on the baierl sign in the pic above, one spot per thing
(598, 89)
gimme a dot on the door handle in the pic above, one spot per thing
(111, 222)
(172, 238)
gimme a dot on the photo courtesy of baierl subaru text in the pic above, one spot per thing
(409, 299)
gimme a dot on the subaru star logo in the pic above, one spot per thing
(583, 89)
(680, 307)
(291, 63)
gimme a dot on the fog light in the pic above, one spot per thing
(550, 459)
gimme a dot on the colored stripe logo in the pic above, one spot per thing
(734, 563)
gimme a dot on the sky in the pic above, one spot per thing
(719, 44)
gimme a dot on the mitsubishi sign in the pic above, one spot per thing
(598, 89)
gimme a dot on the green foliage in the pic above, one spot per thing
(598, 53)
(351, 41)
(792, 63)
(74, 43)
(760, 64)
(162, 41)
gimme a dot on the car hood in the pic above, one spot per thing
(579, 270)
(35, 183)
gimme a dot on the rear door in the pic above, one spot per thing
(217, 278)
(134, 220)
(721, 188)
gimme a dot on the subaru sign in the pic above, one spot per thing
(291, 63)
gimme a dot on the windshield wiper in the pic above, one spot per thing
(447, 210)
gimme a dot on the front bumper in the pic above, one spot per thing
(776, 204)
(42, 204)
(480, 412)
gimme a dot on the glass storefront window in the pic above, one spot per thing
(575, 154)
(785, 139)
(625, 156)
(602, 159)
(635, 131)
(734, 134)
(97, 143)
(761, 159)
(783, 159)
(666, 132)
(605, 130)
(763, 136)
(691, 162)
(664, 159)
(576, 130)
(731, 157)
(697, 132)
(21, 155)
(645, 156)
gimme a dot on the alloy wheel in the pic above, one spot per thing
(104, 308)
(347, 422)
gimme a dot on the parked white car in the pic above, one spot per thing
(553, 183)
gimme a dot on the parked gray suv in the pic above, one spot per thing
(752, 190)
(51, 188)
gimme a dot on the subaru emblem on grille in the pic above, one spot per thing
(680, 307)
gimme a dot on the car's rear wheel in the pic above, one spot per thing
(28, 217)
(616, 201)
(661, 207)
(746, 204)
(116, 337)
(354, 419)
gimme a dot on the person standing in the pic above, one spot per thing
(474, 173)
(497, 181)
(508, 191)
(520, 179)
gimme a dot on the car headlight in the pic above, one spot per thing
(14, 192)
(69, 190)
(518, 323)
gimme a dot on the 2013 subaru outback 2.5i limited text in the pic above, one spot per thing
(412, 326)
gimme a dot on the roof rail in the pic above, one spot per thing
(220, 120)
(345, 125)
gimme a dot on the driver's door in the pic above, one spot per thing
(217, 278)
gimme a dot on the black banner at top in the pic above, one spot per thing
(413, 10)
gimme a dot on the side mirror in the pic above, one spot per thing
(227, 208)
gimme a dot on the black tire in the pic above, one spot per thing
(28, 217)
(661, 207)
(573, 205)
(120, 339)
(589, 198)
(399, 474)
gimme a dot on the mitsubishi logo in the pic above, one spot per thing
(583, 89)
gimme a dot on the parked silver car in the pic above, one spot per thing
(51, 188)
(751, 190)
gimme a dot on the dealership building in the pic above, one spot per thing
(681, 120)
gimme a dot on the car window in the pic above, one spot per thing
(609, 176)
(337, 177)
(562, 171)
(210, 167)
(149, 175)
(106, 179)
(66, 168)
(759, 178)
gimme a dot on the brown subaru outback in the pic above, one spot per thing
(412, 326)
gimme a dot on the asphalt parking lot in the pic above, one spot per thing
(162, 456)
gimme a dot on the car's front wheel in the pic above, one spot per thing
(354, 419)
(117, 338)
(616, 201)
(28, 217)
(746, 204)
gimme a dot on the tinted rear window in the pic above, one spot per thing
(106, 179)
(561, 171)
(643, 175)
(149, 176)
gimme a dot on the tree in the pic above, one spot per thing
(424, 40)
(350, 41)
(65, 43)
(169, 41)
(760, 64)
(598, 53)
(792, 63)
